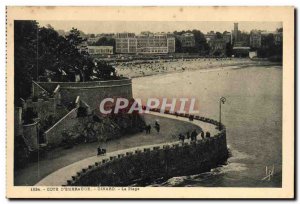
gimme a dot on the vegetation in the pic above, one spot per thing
(201, 45)
(269, 49)
(106, 42)
(42, 54)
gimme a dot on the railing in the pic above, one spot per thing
(85, 171)
(86, 83)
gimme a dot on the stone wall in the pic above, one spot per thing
(37, 90)
(91, 92)
(30, 135)
(143, 167)
(53, 136)
(165, 161)
(44, 108)
(89, 128)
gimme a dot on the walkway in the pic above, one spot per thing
(60, 176)
(59, 157)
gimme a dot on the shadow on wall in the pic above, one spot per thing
(141, 168)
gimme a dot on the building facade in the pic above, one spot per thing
(125, 43)
(255, 39)
(278, 38)
(91, 40)
(187, 40)
(145, 43)
(236, 31)
(227, 37)
(241, 51)
(217, 47)
(100, 50)
(210, 36)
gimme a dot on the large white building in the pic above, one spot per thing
(146, 43)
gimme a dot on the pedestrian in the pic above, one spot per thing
(194, 135)
(188, 135)
(207, 134)
(148, 129)
(157, 126)
(202, 135)
(99, 150)
(181, 137)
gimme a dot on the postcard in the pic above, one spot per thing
(150, 102)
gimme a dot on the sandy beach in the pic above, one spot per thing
(141, 68)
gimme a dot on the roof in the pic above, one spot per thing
(241, 48)
(100, 47)
(188, 34)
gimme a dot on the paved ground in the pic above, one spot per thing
(60, 158)
(60, 177)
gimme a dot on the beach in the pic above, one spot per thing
(141, 68)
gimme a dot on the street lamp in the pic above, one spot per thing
(222, 101)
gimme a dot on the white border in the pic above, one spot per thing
(94, 2)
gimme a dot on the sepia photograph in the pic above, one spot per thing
(166, 102)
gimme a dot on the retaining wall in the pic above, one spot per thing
(53, 136)
(91, 92)
(30, 133)
(143, 166)
(44, 108)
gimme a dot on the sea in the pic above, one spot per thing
(252, 115)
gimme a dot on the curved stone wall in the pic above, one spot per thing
(92, 92)
(161, 161)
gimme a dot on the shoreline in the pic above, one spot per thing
(205, 70)
(161, 68)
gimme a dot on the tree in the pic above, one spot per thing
(201, 45)
(40, 49)
(219, 35)
(229, 50)
(52, 49)
(200, 42)
(178, 46)
(74, 37)
(25, 58)
(269, 48)
(106, 42)
(105, 71)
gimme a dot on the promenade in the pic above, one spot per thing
(60, 176)
(59, 158)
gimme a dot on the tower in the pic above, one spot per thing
(235, 31)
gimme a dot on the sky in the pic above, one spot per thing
(96, 27)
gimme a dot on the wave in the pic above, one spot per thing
(233, 166)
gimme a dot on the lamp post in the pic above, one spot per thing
(222, 101)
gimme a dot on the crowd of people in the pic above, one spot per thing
(151, 67)
(191, 136)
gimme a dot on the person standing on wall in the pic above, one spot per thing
(157, 126)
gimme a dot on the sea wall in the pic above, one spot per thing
(90, 92)
(141, 167)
